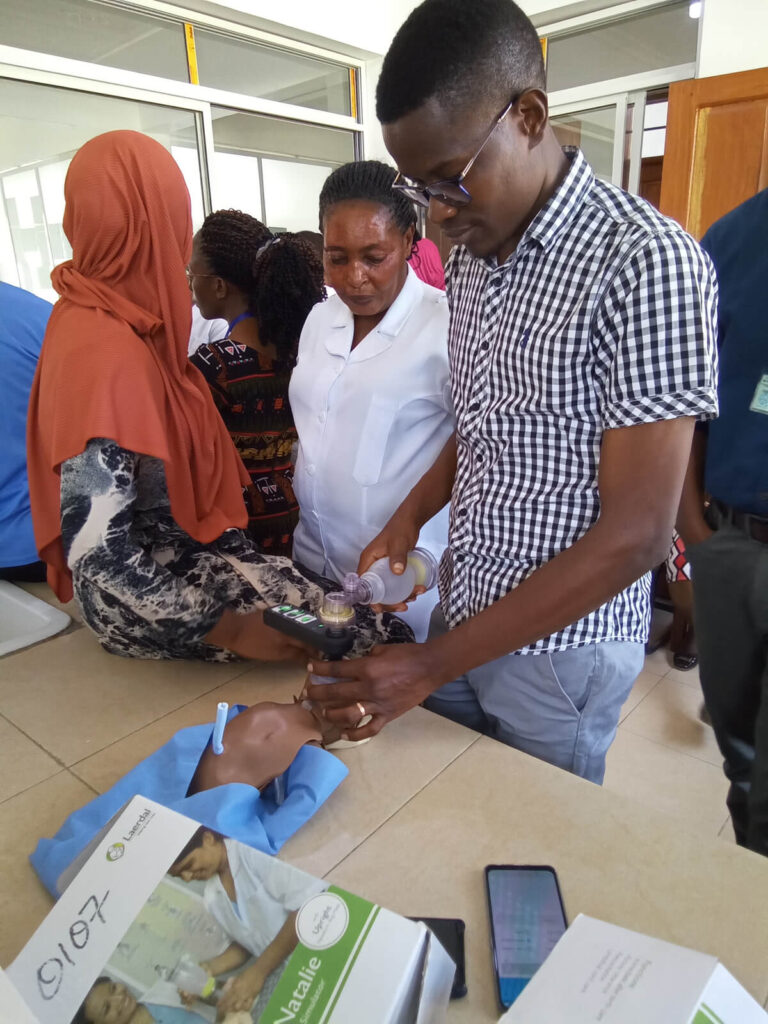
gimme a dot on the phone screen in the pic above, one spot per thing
(527, 919)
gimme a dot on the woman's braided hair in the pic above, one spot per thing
(369, 180)
(280, 274)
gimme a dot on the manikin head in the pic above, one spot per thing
(259, 744)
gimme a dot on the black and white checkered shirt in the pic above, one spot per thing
(603, 317)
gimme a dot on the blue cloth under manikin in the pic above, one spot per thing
(264, 820)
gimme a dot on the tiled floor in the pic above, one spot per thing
(73, 719)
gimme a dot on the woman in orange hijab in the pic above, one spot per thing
(135, 484)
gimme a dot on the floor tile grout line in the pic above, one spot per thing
(32, 740)
(676, 750)
(631, 711)
(41, 782)
(153, 721)
(402, 807)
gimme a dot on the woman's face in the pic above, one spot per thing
(109, 1002)
(205, 286)
(365, 255)
(201, 863)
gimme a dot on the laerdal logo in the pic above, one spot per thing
(139, 825)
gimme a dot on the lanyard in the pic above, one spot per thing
(243, 316)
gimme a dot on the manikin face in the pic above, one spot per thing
(109, 1002)
(433, 143)
(203, 862)
(365, 255)
(259, 744)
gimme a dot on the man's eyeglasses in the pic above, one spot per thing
(449, 190)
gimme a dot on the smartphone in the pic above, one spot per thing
(527, 918)
(450, 935)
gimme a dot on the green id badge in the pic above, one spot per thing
(760, 399)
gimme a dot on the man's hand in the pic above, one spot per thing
(398, 537)
(386, 684)
(248, 636)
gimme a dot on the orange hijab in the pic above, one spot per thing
(114, 358)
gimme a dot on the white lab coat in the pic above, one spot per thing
(267, 891)
(371, 421)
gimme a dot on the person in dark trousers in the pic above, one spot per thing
(728, 544)
(582, 350)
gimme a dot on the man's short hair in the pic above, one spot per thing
(459, 52)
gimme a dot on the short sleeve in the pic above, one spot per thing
(655, 333)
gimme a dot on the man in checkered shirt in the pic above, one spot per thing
(582, 346)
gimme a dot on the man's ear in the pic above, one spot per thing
(533, 108)
(208, 838)
(220, 288)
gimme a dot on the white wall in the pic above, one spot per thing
(361, 24)
(734, 37)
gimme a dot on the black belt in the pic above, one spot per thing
(754, 526)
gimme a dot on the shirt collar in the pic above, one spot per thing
(398, 312)
(567, 199)
(385, 332)
(559, 209)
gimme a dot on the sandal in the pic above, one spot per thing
(685, 662)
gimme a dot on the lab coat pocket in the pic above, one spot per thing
(372, 444)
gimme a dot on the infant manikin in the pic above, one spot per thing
(260, 743)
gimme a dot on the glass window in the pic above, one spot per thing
(291, 192)
(273, 168)
(240, 65)
(96, 33)
(594, 132)
(41, 127)
(660, 38)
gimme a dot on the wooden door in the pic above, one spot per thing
(716, 153)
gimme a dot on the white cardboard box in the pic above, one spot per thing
(599, 973)
(124, 916)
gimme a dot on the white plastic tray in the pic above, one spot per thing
(25, 620)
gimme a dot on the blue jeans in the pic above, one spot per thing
(562, 707)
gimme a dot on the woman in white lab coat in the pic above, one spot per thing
(254, 898)
(370, 393)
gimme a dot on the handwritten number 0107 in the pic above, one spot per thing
(50, 973)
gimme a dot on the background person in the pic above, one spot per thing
(371, 391)
(426, 262)
(728, 546)
(582, 344)
(23, 317)
(264, 285)
(136, 487)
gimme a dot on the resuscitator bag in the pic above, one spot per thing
(264, 820)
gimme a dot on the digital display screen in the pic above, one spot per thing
(527, 919)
